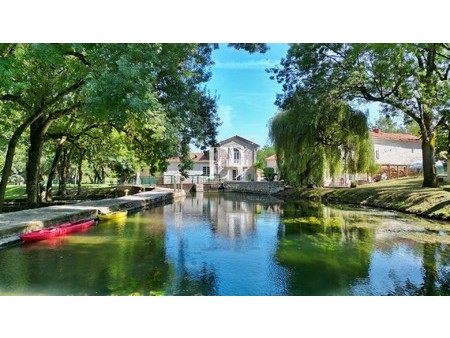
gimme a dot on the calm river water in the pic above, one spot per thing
(232, 244)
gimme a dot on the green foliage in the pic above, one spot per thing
(250, 47)
(442, 142)
(406, 79)
(152, 93)
(387, 125)
(186, 162)
(262, 154)
(320, 135)
(269, 173)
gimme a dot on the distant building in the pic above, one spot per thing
(232, 160)
(200, 167)
(396, 149)
(396, 154)
(271, 162)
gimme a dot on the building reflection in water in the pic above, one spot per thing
(212, 242)
(230, 215)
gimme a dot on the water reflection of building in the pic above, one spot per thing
(235, 217)
(229, 214)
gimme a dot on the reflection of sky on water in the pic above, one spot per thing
(389, 270)
(238, 247)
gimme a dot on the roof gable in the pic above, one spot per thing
(393, 136)
(238, 138)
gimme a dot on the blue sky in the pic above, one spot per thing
(246, 92)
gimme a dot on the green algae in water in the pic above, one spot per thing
(334, 222)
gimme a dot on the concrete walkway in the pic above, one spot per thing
(13, 224)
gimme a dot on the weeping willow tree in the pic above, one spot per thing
(319, 136)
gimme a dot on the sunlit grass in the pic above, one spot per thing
(19, 191)
(405, 194)
(15, 192)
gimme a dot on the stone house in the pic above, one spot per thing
(199, 171)
(396, 154)
(232, 160)
(271, 162)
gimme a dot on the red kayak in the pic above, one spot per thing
(60, 230)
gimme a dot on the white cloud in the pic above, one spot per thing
(225, 116)
(262, 64)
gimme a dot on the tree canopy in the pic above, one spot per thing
(318, 136)
(407, 79)
(103, 107)
(152, 94)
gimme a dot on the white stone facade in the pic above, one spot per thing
(395, 149)
(394, 153)
(233, 159)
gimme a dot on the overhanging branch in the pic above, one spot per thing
(15, 98)
(65, 92)
(80, 57)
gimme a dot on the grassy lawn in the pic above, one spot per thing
(405, 194)
(15, 191)
(18, 191)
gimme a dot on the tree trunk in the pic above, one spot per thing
(8, 165)
(33, 163)
(52, 173)
(63, 171)
(103, 177)
(430, 179)
(80, 172)
(10, 156)
(448, 166)
(90, 179)
(62, 176)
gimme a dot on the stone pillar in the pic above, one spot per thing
(211, 162)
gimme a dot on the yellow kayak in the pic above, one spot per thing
(112, 215)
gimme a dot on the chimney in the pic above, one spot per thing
(377, 130)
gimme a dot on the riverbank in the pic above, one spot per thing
(405, 195)
(12, 224)
(15, 196)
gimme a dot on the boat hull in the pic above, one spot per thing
(55, 231)
(113, 215)
(39, 235)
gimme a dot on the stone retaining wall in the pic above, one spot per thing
(266, 188)
(12, 224)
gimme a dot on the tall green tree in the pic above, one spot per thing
(40, 83)
(319, 135)
(117, 83)
(152, 92)
(388, 125)
(408, 79)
